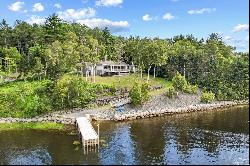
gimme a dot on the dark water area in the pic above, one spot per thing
(211, 137)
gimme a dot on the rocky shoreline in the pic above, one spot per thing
(158, 106)
(140, 114)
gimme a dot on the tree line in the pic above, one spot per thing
(57, 47)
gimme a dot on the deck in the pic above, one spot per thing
(89, 137)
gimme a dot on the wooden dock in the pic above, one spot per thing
(89, 137)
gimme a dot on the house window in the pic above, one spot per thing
(127, 67)
(105, 67)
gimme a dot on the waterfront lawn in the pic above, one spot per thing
(128, 81)
(38, 126)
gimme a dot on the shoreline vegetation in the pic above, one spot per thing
(31, 125)
(42, 72)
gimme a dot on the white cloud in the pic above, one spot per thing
(147, 18)
(72, 14)
(38, 7)
(108, 2)
(168, 16)
(113, 26)
(247, 38)
(201, 11)
(36, 20)
(17, 6)
(58, 5)
(84, 1)
(228, 38)
(241, 27)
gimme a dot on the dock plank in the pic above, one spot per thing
(86, 130)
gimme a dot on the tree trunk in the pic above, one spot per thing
(148, 74)
(86, 74)
(141, 72)
(154, 72)
(94, 73)
(82, 71)
(184, 70)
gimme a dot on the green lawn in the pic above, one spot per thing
(39, 126)
(128, 81)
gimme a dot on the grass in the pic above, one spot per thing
(128, 81)
(38, 126)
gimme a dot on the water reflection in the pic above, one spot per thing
(218, 137)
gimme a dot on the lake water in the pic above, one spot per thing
(215, 137)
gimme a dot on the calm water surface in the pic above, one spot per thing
(217, 137)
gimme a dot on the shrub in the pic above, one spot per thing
(207, 97)
(179, 82)
(171, 92)
(73, 91)
(194, 89)
(145, 92)
(191, 89)
(25, 99)
(135, 94)
(139, 94)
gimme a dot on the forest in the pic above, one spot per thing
(55, 48)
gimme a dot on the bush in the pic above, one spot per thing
(207, 97)
(25, 99)
(179, 82)
(194, 89)
(145, 92)
(135, 94)
(171, 92)
(73, 91)
(191, 89)
(139, 94)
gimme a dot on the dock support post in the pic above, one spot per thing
(98, 134)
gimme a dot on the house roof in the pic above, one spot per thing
(103, 63)
(112, 63)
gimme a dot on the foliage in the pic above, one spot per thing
(72, 91)
(171, 92)
(179, 82)
(24, 99)
(139, 94)
(145, 92)
(37, 126)
(190, 89)
(207, 97)
(55, 48)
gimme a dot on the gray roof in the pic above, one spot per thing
(112, 63)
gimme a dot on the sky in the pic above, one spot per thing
(144, 18)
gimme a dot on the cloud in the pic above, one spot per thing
(38, 7)
(228, 38)
(113, 26)
(241, 27)
(108, 3)
(72, 14)
(84, 1)
(247, 38)
(147, 18)
(168, 16)
(17, 6)
(36, 20)
(201, 11)
(58, 5)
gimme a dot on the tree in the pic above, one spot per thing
(53, 28)
(12, 57)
